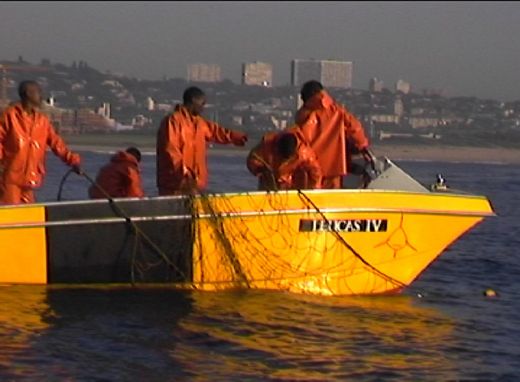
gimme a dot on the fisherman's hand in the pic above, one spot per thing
(369, 158)
(74, 160)
(238, 138)
(189, 182)
(188, 173)
(77, 170)
(263, 172)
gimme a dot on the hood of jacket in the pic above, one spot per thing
(321, 100)
(123, 156)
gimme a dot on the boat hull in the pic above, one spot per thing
(358, 242)
(91, 242)
(328, 242)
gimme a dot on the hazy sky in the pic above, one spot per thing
(466, 48)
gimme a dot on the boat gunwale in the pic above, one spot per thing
(243, 193)
(135, 219)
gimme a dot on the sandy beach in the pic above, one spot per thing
(450, 153)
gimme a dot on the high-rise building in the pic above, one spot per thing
(204, 73)
(257, 73)
(330, 73)
(375, 85)
(336, 74)
(305, 70)
(402, 86)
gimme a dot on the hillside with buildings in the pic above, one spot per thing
(83, 100)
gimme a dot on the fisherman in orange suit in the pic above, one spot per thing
(121, 178)
(181, 145)
(283, 161)
(327, 127)
(25, 133)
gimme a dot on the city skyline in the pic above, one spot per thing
(83, 99)
(467, 49)
(332, 74)
(210, 73)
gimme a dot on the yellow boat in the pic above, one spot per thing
(327, 242)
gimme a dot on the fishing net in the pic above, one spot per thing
(260, 240)
(256, 240)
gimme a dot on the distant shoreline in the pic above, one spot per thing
(463, 154)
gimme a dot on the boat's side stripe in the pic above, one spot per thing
(347, 192)
(47, 250)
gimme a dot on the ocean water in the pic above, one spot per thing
(440, 329)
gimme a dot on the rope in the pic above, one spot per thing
(219, 229)
(62, 183)
(269, 169)
(135, 228)
(347, 245)
(338, 236)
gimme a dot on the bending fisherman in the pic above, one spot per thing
(120, 178)
(283, 161)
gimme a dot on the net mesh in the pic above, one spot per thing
(266, 249)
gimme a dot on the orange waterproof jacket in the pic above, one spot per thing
(23, 142)
(327, 126)
(120, 178)
(181, 148)
(301, 171)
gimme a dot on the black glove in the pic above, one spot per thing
(77, 170)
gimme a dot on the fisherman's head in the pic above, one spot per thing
(30, 93)
(286, 145)
(135, 152)
(194, 99)
(309, 89)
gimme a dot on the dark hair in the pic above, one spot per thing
(309, 89)
(22, 87)
(286, 145)
(135, 152)
(190, 94)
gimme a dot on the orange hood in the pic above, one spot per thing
(123, 156)
(321, 100)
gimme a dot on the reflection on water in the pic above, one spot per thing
(308, 338)
(22, 318)
(76, 333)
(72, 333)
